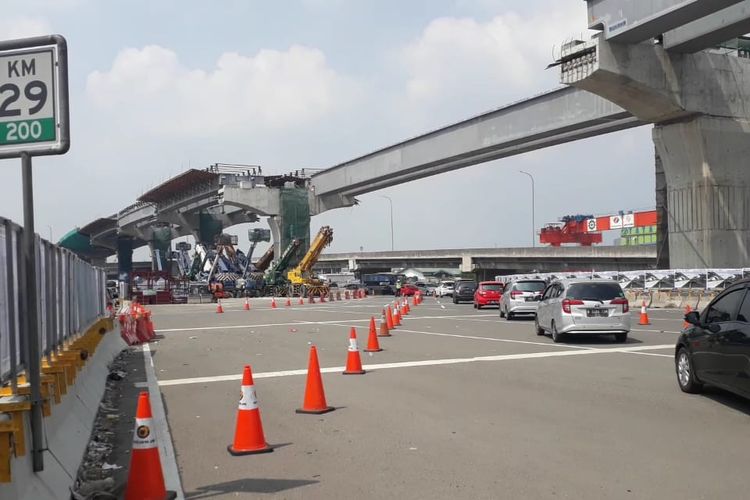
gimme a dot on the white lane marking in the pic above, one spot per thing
(652, 354)
(411, 364)
(166, 449)
(235, 327)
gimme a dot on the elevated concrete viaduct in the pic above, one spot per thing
(653, 62)
(487, 262)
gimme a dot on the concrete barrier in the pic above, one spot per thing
(670, 299)
(67, 432)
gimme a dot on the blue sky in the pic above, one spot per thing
(160, 86)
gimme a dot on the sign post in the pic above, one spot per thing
(34, 121)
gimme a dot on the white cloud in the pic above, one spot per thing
(455, 58)
(22, 27)
(270, 90)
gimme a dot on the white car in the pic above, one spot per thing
(445, 288)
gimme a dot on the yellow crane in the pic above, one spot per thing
(301, 279)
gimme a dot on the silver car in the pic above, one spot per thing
(445, 289)
(586, 307)
(521, 297)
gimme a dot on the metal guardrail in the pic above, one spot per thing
(71, 295)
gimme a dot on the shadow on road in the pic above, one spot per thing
(607, 340)
(728, 399)
(251, 485)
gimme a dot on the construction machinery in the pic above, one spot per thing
(586, 230)
(301, 280)
(252, 282)
(275, 283)
(570, 229)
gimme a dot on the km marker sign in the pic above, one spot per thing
(33, 97)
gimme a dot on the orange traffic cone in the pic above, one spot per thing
(372, 341)
(384, 330)
(353, 361)
(315, 396)
(248, 435)
(407, 309)
(688, 310)
(396, 317)
(389, 318)
(219, 309)
(301, 301)
(644, 315)
(247, 304)
(273, 302)
(145, 478)
(288, 302)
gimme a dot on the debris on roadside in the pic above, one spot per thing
(95, 477)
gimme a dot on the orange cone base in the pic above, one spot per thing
(360, 372)
(315, 412)
(373, 350)
(239, 453)
(384, 333)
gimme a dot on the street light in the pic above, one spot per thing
(391, 203)
(533, 204)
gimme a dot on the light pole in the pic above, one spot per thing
(390, 201)
(533, 205)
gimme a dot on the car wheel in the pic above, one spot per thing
(509, 316)
(502, 313)
(556, 337)
(539, 329)
(621, 337)
(685, 373)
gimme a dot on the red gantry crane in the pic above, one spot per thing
(586, 230)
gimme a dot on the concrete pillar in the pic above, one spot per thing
(706, 163)
(274, 222)
(662, 217)
(161, 247)
(124, 264)
(466, 264)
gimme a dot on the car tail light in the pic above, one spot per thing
(515, 293)
(570, 302)
(621, 302)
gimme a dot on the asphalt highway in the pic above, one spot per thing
(459, 404)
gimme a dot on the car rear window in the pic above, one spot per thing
(495, 287)
(467, 284)
(595, 291)
(530, 286)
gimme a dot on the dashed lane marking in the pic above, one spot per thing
(411, 364)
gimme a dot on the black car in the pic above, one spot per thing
(715, 349)
(464, 290)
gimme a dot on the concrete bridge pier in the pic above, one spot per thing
(124, 265)
(706, 162)
(700, 107)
